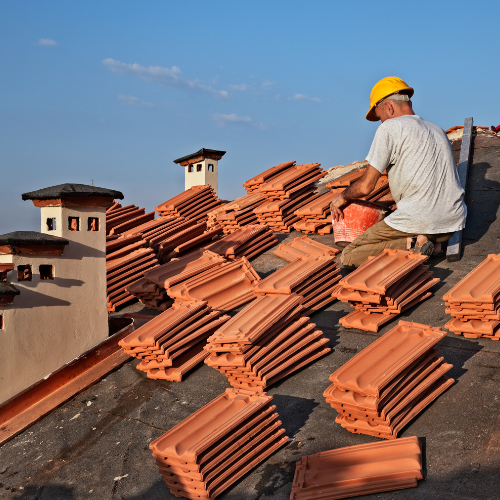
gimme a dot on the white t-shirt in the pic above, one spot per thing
(422, 176)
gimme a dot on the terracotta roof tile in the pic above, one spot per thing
(481, 285)
(347, 179)
(358, 470)
(386, 357)
(224, 287)
(383, 270)
(267, 175)
(383, 387)
(304, 246)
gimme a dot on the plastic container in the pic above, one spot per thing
(359, 216)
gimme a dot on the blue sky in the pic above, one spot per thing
(114, 91)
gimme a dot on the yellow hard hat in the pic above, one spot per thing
(384, 88)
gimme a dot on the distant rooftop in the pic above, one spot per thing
(69, 190)
(205, 153)
(31, 238)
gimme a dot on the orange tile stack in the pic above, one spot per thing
(381, 389)
(223, 287)
(248, 242)
(383, 287)
(254, 183)
(313, 278)
(474, 302)
(119, 219)
(138, 249)
(304, 247)
(194, 203)
(195, 243)
(279, 215)
(266, 341)
(346, 180)
(286, 193)
(172, 343)
(207, 452)
(358, 470)
(239, 213)
(315, 217)
(154, 295)
(150, 294)
(123, 270)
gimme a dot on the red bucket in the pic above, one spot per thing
(359, 216)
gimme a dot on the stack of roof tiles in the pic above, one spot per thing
(315, 216)
(313, 278)
(123, 269)
(152, 290)
(172, 343)
(264, 342)
(194, 203)
(474, 302)
(119, 219)
(381, 389)
(238, 213)
(150, 294)
(254, 183)
(358, 470)
(248, 242)
(223, 287)
(304, 247)
(212, 448)
(383, 287)
(286, 193)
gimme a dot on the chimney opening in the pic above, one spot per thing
(190, 168)
(93, 224)
(210, 167)
(74, 223)
(51, 224)
(199, 167)
(46, 272)
(24, 273)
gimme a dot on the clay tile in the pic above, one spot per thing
(303, 246)
(253, 321)
(224, 287)
(383, 270)
(482, 284)
(371, 468)
(287, 278)
(371, 369)
(208, 425)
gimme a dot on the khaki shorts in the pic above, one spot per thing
(378, 237)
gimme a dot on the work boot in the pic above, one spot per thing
(420, 244)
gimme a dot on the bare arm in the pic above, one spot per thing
(359, 189)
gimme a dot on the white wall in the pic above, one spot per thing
(196, 178)
(54, 321)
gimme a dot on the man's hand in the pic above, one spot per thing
(336, 204)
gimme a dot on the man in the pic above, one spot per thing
(422, 177)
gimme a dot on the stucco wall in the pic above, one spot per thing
(196, 178)
(54, 321)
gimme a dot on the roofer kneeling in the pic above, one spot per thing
(422, 177)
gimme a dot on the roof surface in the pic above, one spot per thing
(8, 289)
(31, 238)
(201, 152)
(67, 190)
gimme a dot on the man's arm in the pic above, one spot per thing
(359, 189)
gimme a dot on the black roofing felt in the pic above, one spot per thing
(67, 190)
(201, 152)
(8, 289)
(31, 238)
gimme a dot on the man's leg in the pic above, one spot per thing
(372, 242)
